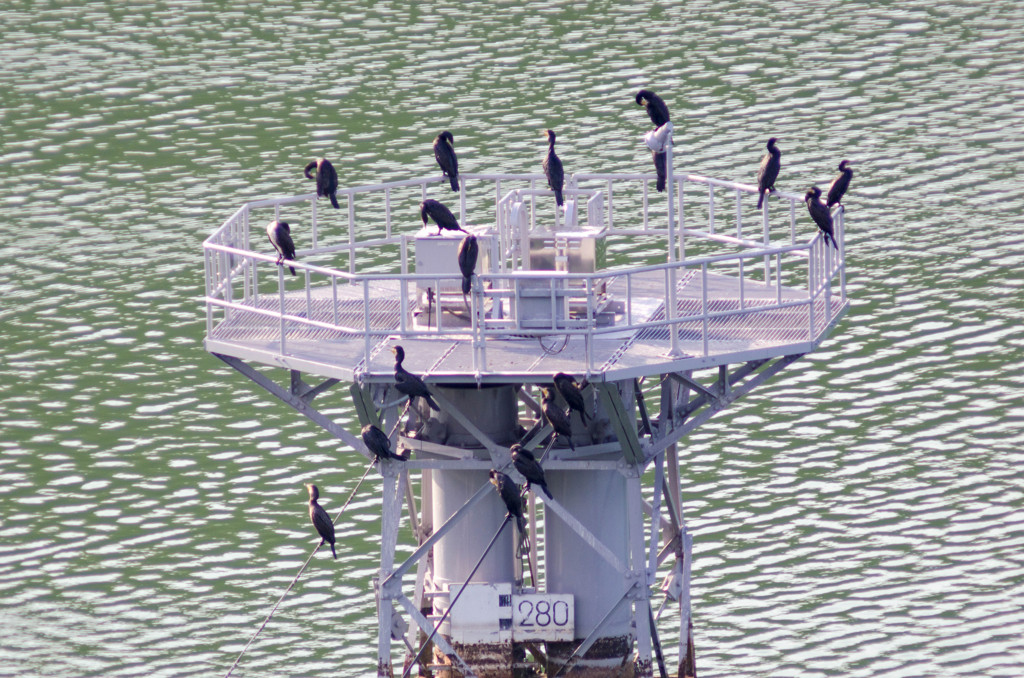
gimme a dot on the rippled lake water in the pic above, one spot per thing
(860, 515)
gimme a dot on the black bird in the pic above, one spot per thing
(527, 465)
(839, 185)
(468, 252)
(771, 163)
(553, 169)
(326, 179)
(377, 442)
(655, 106)
(821, 214)
(444, 153)
(660, 163)
(408, 383)
(281, 238)
(555, 416)
(321, 521)
(509, 493)
(566, 385)
(441, 215)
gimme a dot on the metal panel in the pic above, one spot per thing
(621, 421)
(483, 613)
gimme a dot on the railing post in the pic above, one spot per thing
(672, 304)
(209, 306)
(682, 222)
(366, 323)
(351, 232)
(810, 289)
(611, 224)
(280, 291)
(842, 253)
(704, 305)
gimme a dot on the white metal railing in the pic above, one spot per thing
(237, 280)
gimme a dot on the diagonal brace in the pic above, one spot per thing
(298, 403)
(438, 533)
(428, 628)
(720, 403)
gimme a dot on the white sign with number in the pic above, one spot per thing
(543, 616)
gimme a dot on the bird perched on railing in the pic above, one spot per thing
(655, 105)
(326, 179)
(570, 390)
(321, 521)
(530, 469)
(657, 110)
(280, 235)
(444, 153)
(469, 250)
(771, 163)
(553, 169)
(821, 214)
(556, 417)
(377, 442)
(408, 383)
(837, 189)
(441, 215)
(509, 493)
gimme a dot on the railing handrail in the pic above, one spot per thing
(597, 275)
(230, 255)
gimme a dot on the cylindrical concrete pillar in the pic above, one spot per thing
(598, 500)
(494, 411)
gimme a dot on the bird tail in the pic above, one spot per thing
(558, 198)
(467, 284)
(547, 491)
(333, 552)
(760, 199)
(430, 401)
(334, 201)
(454, 179)
(292, 269)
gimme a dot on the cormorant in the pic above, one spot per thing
(527, 465)
(555, 416)
(566, 385)
(771, 163)
(821, 214)
(281, 238)
(468, 252)
(377, 442)
(655, 106)
(839, 185)
(441, 215)
(553, 169)
(326, 179)
(444, 153)
(408, 383)
(509, 493)
(321, 521)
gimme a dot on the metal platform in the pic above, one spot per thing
(738, 293)
(753, 298)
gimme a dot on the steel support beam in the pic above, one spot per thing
(298, 403)
(720, 402)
